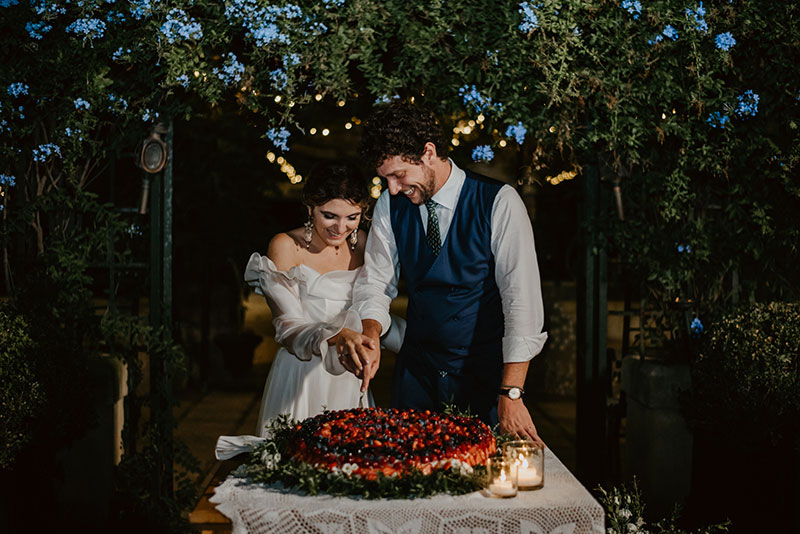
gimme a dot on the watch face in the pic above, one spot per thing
(514, 393)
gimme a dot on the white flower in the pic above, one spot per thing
(463, 468)
(632, 528)
(277, 457)
(624, 513)
(348, 469)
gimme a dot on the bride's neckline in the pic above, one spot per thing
(329, 272)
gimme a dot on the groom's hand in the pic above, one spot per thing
(371, 356)
(515, 419)
(352, 347)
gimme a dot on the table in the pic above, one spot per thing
(563, 506)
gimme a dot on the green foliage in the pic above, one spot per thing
(270, 462)
(625, 514)
(748, 374)
(21, 397)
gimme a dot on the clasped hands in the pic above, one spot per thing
(359, 354)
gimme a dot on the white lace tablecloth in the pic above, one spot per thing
(563, 506)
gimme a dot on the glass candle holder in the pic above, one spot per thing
(529, 457)
(501, 477)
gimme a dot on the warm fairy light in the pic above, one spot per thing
(502, 143)
(471, 123)
(467, 130)
(291, 104)
(455, 141)
(552, 129)
(326, 131)
(244, 89)
(673, 111)
(271, 157)
(197, 74)
(348, 125)
(376, 180)
(317, 97)
(480, 118)
(298, 178)
(663, 116)
(312, 131)
(456, 130)
(561, 177)
(340, 103)
(412, 99)
(375, 191)
(277, 99)
(281, 160)
(356, 120)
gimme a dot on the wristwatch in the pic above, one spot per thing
(512, 392)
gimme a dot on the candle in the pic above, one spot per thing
(529, 459)
(502, 476)
(528, 477)
(502, 488)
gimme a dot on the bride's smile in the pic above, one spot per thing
(335, 220)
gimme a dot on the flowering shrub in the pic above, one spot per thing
(750, 371)
(625, 514)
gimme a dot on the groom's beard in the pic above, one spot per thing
(426, 190)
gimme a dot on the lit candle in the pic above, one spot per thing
(502, 486)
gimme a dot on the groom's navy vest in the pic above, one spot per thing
(455, 317)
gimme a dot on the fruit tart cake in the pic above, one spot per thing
(366, 441)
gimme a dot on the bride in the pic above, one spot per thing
(307, 278)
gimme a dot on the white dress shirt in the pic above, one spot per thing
(516, 268)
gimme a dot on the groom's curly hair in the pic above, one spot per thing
(400, 129)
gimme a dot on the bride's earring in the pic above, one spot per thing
(354, 239)
(307, 236)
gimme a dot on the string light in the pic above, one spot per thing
(325, 132)
(663, 116)
(277, 99)
(375, 191)
(376, 180)
(281, 160)
(552, 129)
(480, 118)
(455, 141)
(561, 177)
(340, 103)
(271, 157)
(348, 125)
(317, 97)
(312, 131)
(502, 143)
(197, 74)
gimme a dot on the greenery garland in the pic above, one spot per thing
(270, 463)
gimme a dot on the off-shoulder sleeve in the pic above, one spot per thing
(293, 329)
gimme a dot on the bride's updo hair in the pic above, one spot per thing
(330, 181)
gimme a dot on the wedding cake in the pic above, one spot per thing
(368, 441)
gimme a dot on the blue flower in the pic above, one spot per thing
(529, 19)
(717, 119)
(8, 3)
(658, 38)
(183, 79)
(697, 15)
(472, 98)
(482, 153)
(634, 7)
(140, 8)
(685, 248)
(37, 29)
(291, 60)
(337, 3)
(748, 104)
(232, 70)
(670, 32)
(385, 99)
(696, 327)
(724, 41)
(517, 131)
(47, 6)
(42, 152)
(81, 103)
(279, 138)
(7, 180)
(179, 27)
(90, 28)
(115, 17)
(118, 53)
(279, 79)
(149, 115)
(17, 89)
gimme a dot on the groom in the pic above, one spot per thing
(464, 246)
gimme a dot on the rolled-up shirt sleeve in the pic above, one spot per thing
(517, 277)
(376, 285)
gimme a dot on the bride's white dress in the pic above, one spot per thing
(308, 308)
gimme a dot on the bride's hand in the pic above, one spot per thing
(352, 348)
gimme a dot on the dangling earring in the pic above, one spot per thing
(353, 239)
(307, 236)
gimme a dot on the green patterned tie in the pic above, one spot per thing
(434, 239)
